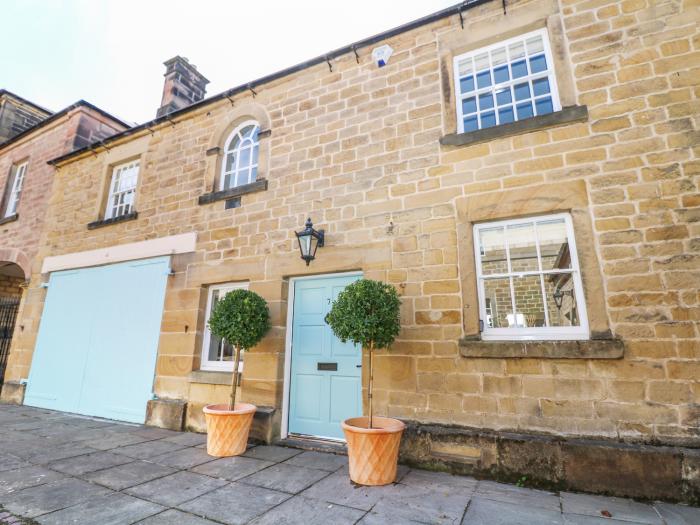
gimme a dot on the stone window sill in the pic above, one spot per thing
(9, 218)
(114, 220)
(567, 115)
(258, 185)
(589, 349)
(210, 377)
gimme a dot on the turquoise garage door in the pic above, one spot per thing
(98, 339)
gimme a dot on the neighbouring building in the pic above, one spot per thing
(25, 187)
(18, 114)
(525, 173)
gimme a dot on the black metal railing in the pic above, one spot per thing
(8, 314)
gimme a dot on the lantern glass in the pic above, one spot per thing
(309, 241)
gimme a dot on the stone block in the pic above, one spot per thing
(166, 413)
(13, 392)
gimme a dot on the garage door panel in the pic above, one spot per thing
(120, 341)
(58, 363)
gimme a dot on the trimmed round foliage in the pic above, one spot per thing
(366, 312)
(241, 318)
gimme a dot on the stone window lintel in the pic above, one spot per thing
(258, 185)
(567, 115)
(577, 349)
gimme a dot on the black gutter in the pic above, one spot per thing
(28, 102)
(59, 114)
(450, 11)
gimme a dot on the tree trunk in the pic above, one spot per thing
(234, 382)
(371, 380)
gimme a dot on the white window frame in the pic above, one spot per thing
(549, 73)
(205, 363)
(546, 333)
(17, 173)
(254, 157)
(114, 191)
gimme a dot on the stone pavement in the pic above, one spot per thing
(57, 468)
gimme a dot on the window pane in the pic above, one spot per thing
(482, 61)
(544, 106)
(471, 124)
(529, 307)
(468, 106)
(498, 56)
(488, 119)
(519, 69)
(499, 306)
(467, 84)
(503, 97)
(535, 45)
(244, 159)
(540, 87)
(561, 300)
(253, 173)
(524, 110)
(500, 74)
(554, 245)
(227, 352)
(465, 67)
(230, 161)
(505, 115)
(492, 251)
(516, 50)
(485, 101)
(483, 79)
(538, 63)
(522, 248)
(522, 91)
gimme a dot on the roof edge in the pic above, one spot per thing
(4, 91)
(456, 9)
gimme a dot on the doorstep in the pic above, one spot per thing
(313, 444)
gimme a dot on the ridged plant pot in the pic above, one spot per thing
(373, 453)
(227, 430)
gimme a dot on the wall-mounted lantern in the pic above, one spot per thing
(559, 295)
(309, 241)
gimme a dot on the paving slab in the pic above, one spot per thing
(187, 439)
(129, 474)
(300, 510)
(233, 468)
(619, 508)
(148, 449)
(176, 488)
(271, 453)
(491, 512)
(580, 519)
(678, 514)
(14, 480)
(235, 504)
(42, 499)
(318, 460)
(116, 440)
(79, 465)
(153, 432)
(285, 478)
(175, 517)
(517, 495)
(111, 509)
(185, 458)
(440, 480)
(337, 488)
(440, 505)
(10, 462)
(56, 452)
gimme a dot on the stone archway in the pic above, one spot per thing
(14, 270)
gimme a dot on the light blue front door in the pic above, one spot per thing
(326, 378)
(98, 340)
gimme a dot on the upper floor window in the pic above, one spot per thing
(122, 189)
(217, 354)
(14, 189)
(505, 82)
(240, 164)
(529, 283)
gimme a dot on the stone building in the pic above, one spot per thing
(524, 173)
(18, 114)
(25, 187)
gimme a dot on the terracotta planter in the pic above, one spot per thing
(227, 430)
(373, 452)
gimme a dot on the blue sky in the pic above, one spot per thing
(110, 53)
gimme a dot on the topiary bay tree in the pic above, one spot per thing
(242, 319)
(367, 313)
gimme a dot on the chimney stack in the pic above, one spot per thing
(184, 85)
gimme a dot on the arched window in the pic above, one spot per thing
(240, 164)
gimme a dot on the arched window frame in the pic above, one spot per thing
(251, 167)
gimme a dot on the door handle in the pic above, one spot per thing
(328, 367)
